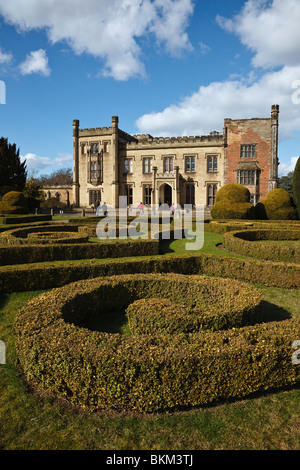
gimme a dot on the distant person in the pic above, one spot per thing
(141, 207)
(99, 211)
(104, 209)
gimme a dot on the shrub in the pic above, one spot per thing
(43, 275)
(213, 306)
(33, 235)
(244, 244)
(296, 185)
(222, 226)
(277, 205)
(98, 370)
(13, 202)
(25, 219)
(30, 253)
(232, 202)
(233, 193)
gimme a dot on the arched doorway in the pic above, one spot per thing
(165, 194)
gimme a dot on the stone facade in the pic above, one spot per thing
(64, 193)
(108, 163)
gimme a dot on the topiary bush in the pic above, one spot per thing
(13, 202)
(244, 243)
(233, 202)
(296, 185)
(277, 205)
(43, 234)
(151, 372)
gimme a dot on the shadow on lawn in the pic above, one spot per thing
(272, 312)
(3, 300)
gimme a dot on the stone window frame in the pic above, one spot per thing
(211, 159)
(130, 161)
(92, 144)
(92, 196)
(192, 157)
(248, 151)
(210, 197)
(95, 168)
(147, 199)
(128, 187)
(247, 177)
(145, 158)
(190, 198)
(169, 158)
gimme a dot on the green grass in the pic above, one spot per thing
(182, 246)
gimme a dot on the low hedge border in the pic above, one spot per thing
(6, 228)
(30, 254)
(146, 373)
(243, 243)
(15, 219)
(39, 276)
(223, 226)
(63, 234)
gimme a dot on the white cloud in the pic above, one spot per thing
(35, 62)
(36, 163)
(206, 109)
(5, 57)
(204, 48)
(270, 29)
(107, 29)
(286, 167)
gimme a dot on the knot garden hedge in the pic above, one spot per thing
(194, 339)
(151, 372)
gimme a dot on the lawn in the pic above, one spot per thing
(34, 421)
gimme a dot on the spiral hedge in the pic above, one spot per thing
(244, 243)
(149, 372)
(42, 234)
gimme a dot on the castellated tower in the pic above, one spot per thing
(108, 163)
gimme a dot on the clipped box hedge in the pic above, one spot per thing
(148, 373)
(20, 236)
(30, 254)
(222, 226)
(37, 276)
(17, 219)
(243, 243)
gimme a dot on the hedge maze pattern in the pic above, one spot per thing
(151, 372)
(196, 335)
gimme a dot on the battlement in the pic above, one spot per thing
(92, 132)
(146, 140)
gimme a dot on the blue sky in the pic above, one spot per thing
(165, 67)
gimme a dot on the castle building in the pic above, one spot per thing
(108, 163)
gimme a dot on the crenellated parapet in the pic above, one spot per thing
(146, 141)
(95, 132)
